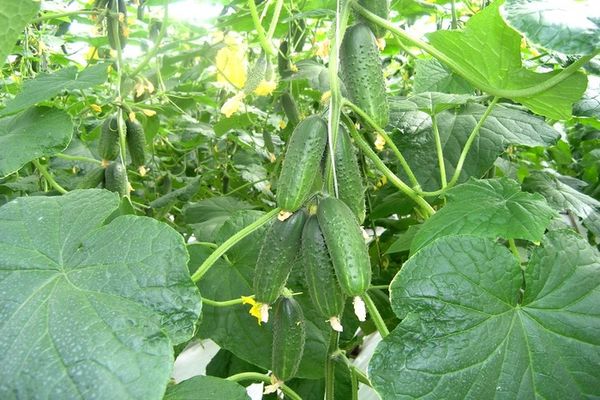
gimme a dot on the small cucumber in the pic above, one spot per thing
(289, 337)
(362, 73)
(346, 245)
(351, 189)
(108, 145)
(256, 74)
(301, 163)
(136, 142)
(115, 179)
(323, 287)
(381, 8)
(92, 179)
(113, 19)
(279, 249)
(289, 108)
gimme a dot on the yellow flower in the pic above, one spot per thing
(322, 48)
(232, 104)
(96, 108)
(148, 113)
(325, 97)
(282, 124)
(380, 43)
(257, 308)
(231, 62)
(379, 142)
(293, 67)
(265, 88)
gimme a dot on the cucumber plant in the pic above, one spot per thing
(293, 181)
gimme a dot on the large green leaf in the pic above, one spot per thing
(206, 388)
(37, 132)
(14, 15)
(467, 334)
(488, 208)
(208, 215)
(589, 105)
(433, 76)
(233, 328)
(46, 86)
(505, 126)
(89, 310)
(568, 26)
(488, 51)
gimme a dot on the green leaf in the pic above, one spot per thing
(87, 308)
(562, 196)
(488, 208)
(233, 328)
(207, 216)
(465, 335)
(436, 102)
(504, 126)
(488, 52)
(14, 15)
(433, 76)
(46, 86)
(206, 388)
(589, 105)
(37, 132)
(403, 240)
(568, 26)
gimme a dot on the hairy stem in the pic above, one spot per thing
(439, 150)
(260, 31)
(374, 313)
(49, 178)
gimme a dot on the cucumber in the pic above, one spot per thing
(351, 189)
(289, 108)
(362, 73)
(347, 248)
(381, 8)
(256, 74)
(283, 62)
(113, 19)
(301, 163)
(136, 142)
(298, 33)
(115, 179)
(289, 337)
(323, 287)
(92, 179)
(108, 145)
(279, 249)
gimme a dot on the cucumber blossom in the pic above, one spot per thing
(115, 179)
(301, 163)
(108, 145)
(136, 142)
(351, 189)
(279, 249)
(362, 73)
(346, 245)
(381, 8)
(323, 287)
(289, 337)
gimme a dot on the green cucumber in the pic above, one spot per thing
(289, 337)
(323, 287)
(381, 8)
(136, 142)
(108, 145)
(115, 179)
(279, 249)
(256, 74)
(298, 33)
(362, 73)
(92, 179)
(289, 108)
(283, 62)
(113, 19)
(346, 245)
(351, 189)
(301, 163)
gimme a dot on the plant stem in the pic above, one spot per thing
(330, 366)
(61, 15)
(255, 376)
(374, 313)
(225, 303)
(274, 20)
(361, 376)
(498, 92)
(454, 23)
(379, 287)
(78, 158)
(229, 243)
(439, 150)
(354, 383)
(404, 188)
(388, 141)
(159, 38)
(514, 250)
(260, 31)
(49, 178)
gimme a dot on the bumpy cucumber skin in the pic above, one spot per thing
(122, 26)
(280, 247)
(256, 74)
(301, 163)
(108, 145)
(289, 108)
(351, 189)
(289, 337)
(92, 179)
(381, 8)
(323, 287)
(115, 179)
(136, 142)
(346, 245)
(362, 73)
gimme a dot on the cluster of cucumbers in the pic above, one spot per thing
(318, 229)
(112, 175)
